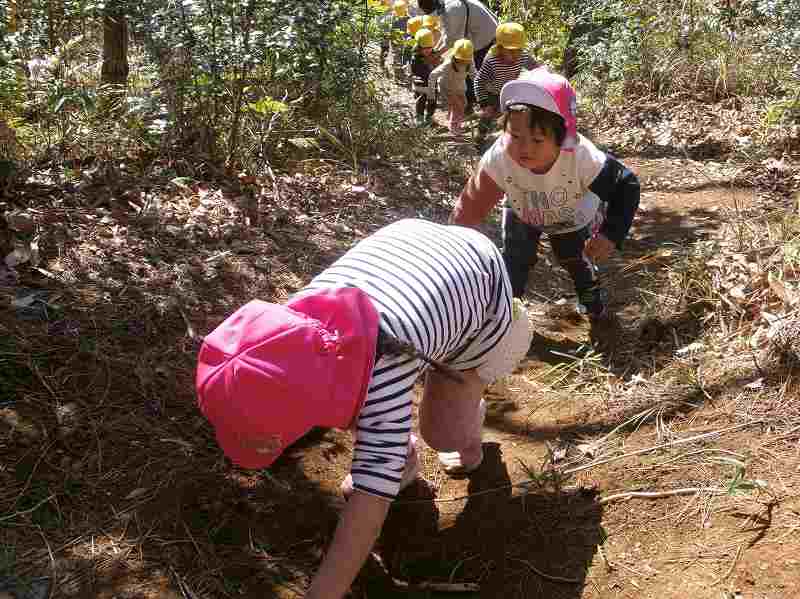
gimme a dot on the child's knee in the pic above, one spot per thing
(448, 414)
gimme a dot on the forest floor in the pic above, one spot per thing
(112, 486)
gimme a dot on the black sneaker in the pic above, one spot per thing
(605, 332)
(594, 303)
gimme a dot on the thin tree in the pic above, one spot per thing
(115, 46)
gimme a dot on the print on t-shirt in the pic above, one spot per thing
(558, 201)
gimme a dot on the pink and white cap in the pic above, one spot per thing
(547, 90)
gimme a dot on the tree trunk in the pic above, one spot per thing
(115, 47)
(12, 16)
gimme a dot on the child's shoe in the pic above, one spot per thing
(603, 324)
(419, 120)
(594, 303)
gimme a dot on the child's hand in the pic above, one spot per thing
(487, 112)
(598, 248)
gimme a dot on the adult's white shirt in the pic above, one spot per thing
(482, 23)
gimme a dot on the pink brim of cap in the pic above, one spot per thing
(270, 373)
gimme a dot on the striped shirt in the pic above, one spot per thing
(442, 288)
(494, 74)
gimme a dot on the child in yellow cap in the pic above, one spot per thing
(422, 64)
(385, 29)
(504, 63)
(453, 73)
(399, 38)
(433, 23)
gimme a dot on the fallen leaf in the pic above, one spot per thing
(690, 349)
(781, 290)
(137, 493)
(756, 384)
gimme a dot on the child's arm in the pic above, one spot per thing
(479, 196)
(435, 76)
(618, 187)
(358, 529)
(420, 73)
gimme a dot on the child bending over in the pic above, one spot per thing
(504, 63)
(345, 353)
(398, 36)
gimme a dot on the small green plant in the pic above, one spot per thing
(8, 557)
(547, 478)
(784, 111)
(739, 483)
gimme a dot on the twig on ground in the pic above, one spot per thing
(601, 551)
(189, 328)
(437, 587)
(546, 576)
(31, 475)
(730, 570)
(196, 546)
(661, 494)
(662, 446)
(186, 592)
(28, 511)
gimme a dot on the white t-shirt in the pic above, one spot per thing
(558, 201)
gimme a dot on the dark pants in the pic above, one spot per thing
(520, 252)
(478, 57)
(425, 106)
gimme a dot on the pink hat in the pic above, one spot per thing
(547, 90)
(269, 373)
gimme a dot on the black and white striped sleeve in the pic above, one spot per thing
(383, 428)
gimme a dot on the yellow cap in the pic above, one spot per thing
(510, 36)
(400, 8)
(431, 22)
(414, 24)
(424, 38)
(463, 50)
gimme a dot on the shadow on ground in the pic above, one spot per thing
(636, 338)
(535, 546)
